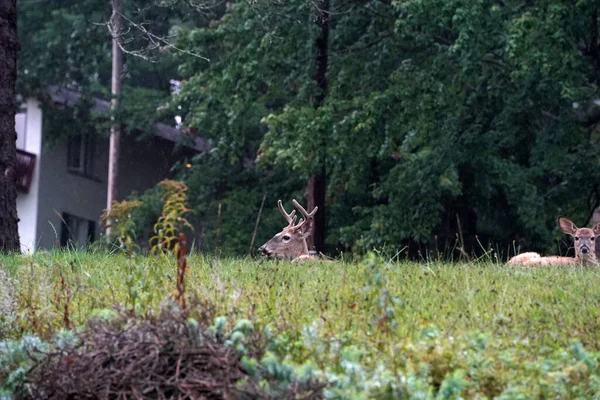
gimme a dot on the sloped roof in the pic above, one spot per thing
(172, 134)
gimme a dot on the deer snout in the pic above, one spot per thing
(585, 249)
(264, 251)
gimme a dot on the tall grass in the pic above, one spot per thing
(546, 306)
(519, 316)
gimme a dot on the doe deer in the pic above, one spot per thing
(585, 253)
(290, 243)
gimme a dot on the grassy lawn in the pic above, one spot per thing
(371, 328)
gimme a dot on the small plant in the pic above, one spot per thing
(33, 314)
(122, 227)
(140, 288)
(383, 304)
(172, 220)
(181, 268)
(16, 358)
(63, 297)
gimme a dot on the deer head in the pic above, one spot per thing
(290, 243)
(585, 248)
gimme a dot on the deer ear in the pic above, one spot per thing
(596, 229)
(566, 226)
(306, 228)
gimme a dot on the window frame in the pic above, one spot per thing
(85, 148)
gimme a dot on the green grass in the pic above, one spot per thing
(547, 306)
(501, 322)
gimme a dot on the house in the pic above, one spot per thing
(62, 187)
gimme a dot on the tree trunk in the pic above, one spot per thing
(317, 189)
(9, 230)
(115, 129)
(317, 184)
(460, 219)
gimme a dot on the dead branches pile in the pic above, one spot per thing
(160, 358)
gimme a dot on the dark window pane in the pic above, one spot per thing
(76, 231)
(74, 153)
(65, 229)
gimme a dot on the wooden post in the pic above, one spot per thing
(115, 129)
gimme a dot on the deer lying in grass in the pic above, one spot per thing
(585, 253)
(290, 243)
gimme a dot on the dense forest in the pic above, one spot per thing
(413, 122)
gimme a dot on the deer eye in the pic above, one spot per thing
(592, 238)
(576, 237)
(286, 238)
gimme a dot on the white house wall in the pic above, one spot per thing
(63, 191)
(29, 138)
(142, 165)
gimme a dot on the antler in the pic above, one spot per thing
(291, 217)
(304, 213)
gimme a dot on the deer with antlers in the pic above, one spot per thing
(585, 253)
(290, 243)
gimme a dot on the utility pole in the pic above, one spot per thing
(116, 22)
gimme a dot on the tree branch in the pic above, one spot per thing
(156, 42)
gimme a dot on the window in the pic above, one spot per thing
(80, 154)
(76, 231)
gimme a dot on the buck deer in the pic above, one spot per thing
(290, 243)
(585, 253)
